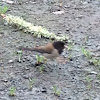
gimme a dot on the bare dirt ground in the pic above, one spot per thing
(76, 79)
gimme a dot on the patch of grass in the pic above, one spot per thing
(19, 55)
(96, 62)
(3, 10)
(57, 91)
(92, 60)
(31, 83)
(70, 57)
(12, 91)
(40, 59)
(86, 39)
(98, 76)
(70, 46)
(86, 53)
(41, 68)
(88, 80)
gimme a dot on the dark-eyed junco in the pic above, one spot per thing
(50, 51)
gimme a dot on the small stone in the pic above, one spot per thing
(1, 32)
(26, 2)
(32, 64)
(44, 90)
(23, 60)
(35, 90)
(2, 88)
(3, 93)
(0, 35)
(25, 76)
(85, 2)
(28, 58)
(10, 61)
(4, 80)
(58, 12)
(9, 42)
(97, 98)
(26, 68)
(93, 72)
(80, 16)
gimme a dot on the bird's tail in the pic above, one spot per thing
(37, 49)
(26, 48)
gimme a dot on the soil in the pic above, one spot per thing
(77, 79)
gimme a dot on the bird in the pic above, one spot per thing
(49, 51)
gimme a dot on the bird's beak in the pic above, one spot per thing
(65, 46)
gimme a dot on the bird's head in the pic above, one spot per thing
(59, 45)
